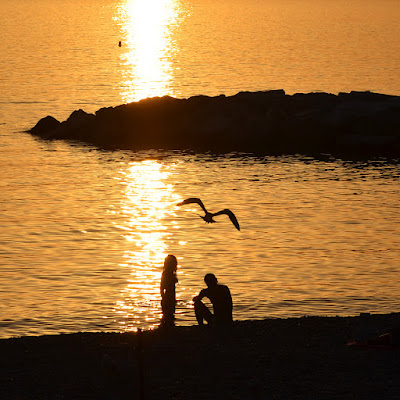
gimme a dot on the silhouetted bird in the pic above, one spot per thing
(119, 43)
(209, 216)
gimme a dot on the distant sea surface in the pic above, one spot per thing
(83, 232)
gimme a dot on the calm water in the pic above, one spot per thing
(83, 233)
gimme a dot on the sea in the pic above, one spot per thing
(84, 232)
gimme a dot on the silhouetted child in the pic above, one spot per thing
(168, 281)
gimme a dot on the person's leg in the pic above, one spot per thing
(167, 320)
(168, 306)
(202, 312)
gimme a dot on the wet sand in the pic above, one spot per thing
(297, 358)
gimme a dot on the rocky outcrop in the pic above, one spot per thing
(269, 123)
(45, 126)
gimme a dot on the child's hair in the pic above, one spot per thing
(170, 264)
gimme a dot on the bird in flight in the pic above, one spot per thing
(209, 216)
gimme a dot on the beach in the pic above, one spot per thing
(295, 358)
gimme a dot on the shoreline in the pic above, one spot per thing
(352, 125)
(294, 358)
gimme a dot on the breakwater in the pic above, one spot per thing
(266, 122)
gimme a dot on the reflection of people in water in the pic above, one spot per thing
(167, 288)
(221, 299)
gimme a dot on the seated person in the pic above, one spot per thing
(221, 299)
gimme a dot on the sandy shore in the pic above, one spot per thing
(297, 358)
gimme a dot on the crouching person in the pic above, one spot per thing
(221, 300)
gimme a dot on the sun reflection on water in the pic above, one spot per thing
(148, 27)
(148, 203)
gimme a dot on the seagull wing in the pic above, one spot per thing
(193, 200)
(231, 216)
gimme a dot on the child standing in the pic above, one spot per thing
(167, 289)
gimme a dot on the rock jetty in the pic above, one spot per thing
(266, 122)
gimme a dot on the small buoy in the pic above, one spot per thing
(119, 44)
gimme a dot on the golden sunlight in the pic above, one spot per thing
(149, 200)
(148, 28)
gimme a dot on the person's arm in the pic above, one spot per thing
(201, 295)
(162, 285)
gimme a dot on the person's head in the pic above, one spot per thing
(170, 263)
(210, 280)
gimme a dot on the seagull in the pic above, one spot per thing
(209, 216)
